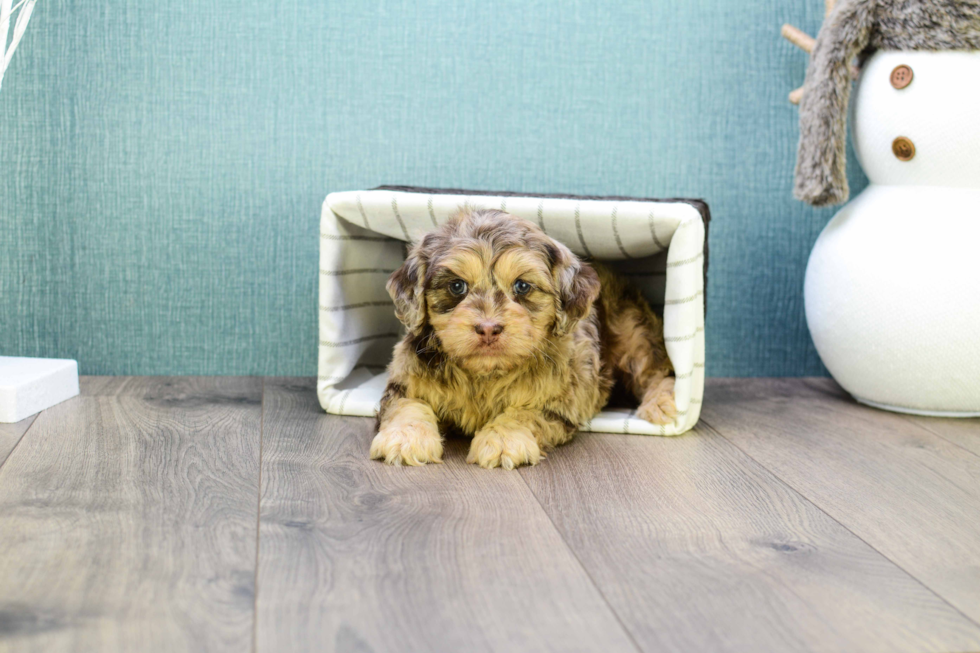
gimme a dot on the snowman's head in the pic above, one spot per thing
(858, 27)
(924, 133)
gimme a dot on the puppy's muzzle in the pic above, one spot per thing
(488, 331)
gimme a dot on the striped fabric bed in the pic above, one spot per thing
(659, 244)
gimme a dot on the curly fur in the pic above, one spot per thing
(858, 27)
(560, 348)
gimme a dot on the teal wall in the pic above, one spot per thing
(162, 163)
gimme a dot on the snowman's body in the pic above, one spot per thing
(893, 284)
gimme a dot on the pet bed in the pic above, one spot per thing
(661, 245)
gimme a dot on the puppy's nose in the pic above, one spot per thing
(489, 328)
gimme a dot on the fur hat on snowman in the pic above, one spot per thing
(854, 29)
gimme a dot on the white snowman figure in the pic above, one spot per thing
(892, 288)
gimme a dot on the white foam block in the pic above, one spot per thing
(29, 385)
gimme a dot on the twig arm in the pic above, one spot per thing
(798, 38)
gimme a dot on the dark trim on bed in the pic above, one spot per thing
(700, 205)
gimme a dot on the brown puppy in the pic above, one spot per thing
(513, 340)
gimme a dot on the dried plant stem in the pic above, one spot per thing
(798, 38)
(805, 42)
(23, 9)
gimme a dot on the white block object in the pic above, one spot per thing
(29, 385)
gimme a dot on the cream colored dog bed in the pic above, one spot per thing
(660, 244)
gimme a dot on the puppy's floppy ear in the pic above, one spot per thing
(406, 286)
(577, 284)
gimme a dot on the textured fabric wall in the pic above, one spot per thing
(162, 164)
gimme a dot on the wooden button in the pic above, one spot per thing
(903, 149)
(901, 76)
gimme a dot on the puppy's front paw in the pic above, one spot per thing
(408, 444)
(507, 448)
(658, 405)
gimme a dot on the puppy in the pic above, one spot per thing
(514, 341)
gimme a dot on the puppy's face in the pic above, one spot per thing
(490, 309)
(489, 289)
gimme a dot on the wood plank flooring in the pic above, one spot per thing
(741, 562)
(910, 494)
(127, 521)
(200, 514)
(446, 557)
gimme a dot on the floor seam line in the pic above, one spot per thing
(20, 439)
(908, 419)
(813, 503)
(258, 527)
(581, 565)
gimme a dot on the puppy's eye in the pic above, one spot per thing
(521, 287)
(457, 287)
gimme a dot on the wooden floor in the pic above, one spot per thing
(231, 514)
